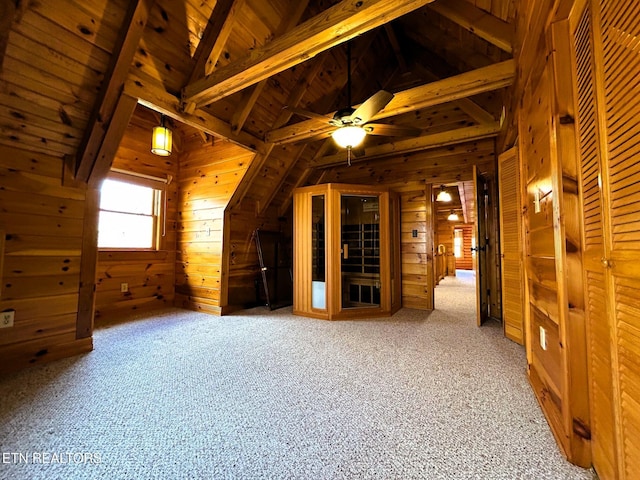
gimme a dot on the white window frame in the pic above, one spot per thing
(159, 187)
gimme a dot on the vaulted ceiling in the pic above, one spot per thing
(244, 70)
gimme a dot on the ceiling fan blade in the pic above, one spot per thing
(395, 130)
(371, 106)
(306, 113)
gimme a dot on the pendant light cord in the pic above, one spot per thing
(349, 74)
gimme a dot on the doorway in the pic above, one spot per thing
(467, 241)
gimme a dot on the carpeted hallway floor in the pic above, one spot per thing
(267, 395)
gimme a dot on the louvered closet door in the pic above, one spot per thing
(600, 327)
(511, 245)
(620, 22)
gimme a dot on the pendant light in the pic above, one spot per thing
(161, 139)
(349, 136)
(443, 195)
(453, 217)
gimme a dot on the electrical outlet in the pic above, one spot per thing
(6, 318)
(124, 287)
(543, 338)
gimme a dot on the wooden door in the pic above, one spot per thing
(480, 250)
(511, 245)
(599, 327)
(617, 94)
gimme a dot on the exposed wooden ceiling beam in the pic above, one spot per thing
(395, 45)
(214, 37)
(477, 21)
(264, 203)
(401, 147)
(467, 105)
(309, 74)
(120, 120)
(464, 85)
(154, 96)
(251, 95)
(122, 56)
(300, 181)
(328, 29)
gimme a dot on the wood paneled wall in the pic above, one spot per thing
(43, 223)
(444, 259)
(208, 176)
(150, 274)
(466, 261)
(417, 256)
(555, 336)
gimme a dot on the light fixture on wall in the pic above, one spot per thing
(161, 139)
(443, 195)
(453, 216)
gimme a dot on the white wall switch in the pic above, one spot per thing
(6, 318)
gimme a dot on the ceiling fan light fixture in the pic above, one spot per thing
(349, 136)
(453, 217)
(161, 140)
(443, 196)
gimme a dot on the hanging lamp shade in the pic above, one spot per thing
(443, 195)
(161, 140)
(453, 216)
(349, 136)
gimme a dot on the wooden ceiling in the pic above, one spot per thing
(230, 68)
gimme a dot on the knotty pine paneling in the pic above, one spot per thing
(555, 335)
(244, 266)
(209, 174)
(444, 236)
(466, 261)
(41, 264)
(417, 256)
(52, 68)
(150, 274)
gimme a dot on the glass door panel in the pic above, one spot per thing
(318, 254)
(360, 250)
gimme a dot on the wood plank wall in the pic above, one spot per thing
(150, 274)
(209, 174)
(445, 261)
(43, 223)
(555, 320)
(417, 256)
(244, 266)
(466, 261)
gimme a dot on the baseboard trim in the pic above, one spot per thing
(43, 350)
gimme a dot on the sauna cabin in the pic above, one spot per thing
(525, 113)
(347, 257)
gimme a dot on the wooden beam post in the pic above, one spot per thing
(122, 56)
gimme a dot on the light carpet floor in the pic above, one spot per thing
(268, 395)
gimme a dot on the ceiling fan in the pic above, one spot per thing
(352, 123)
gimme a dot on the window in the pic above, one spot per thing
(458, 240)
(130, 212)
